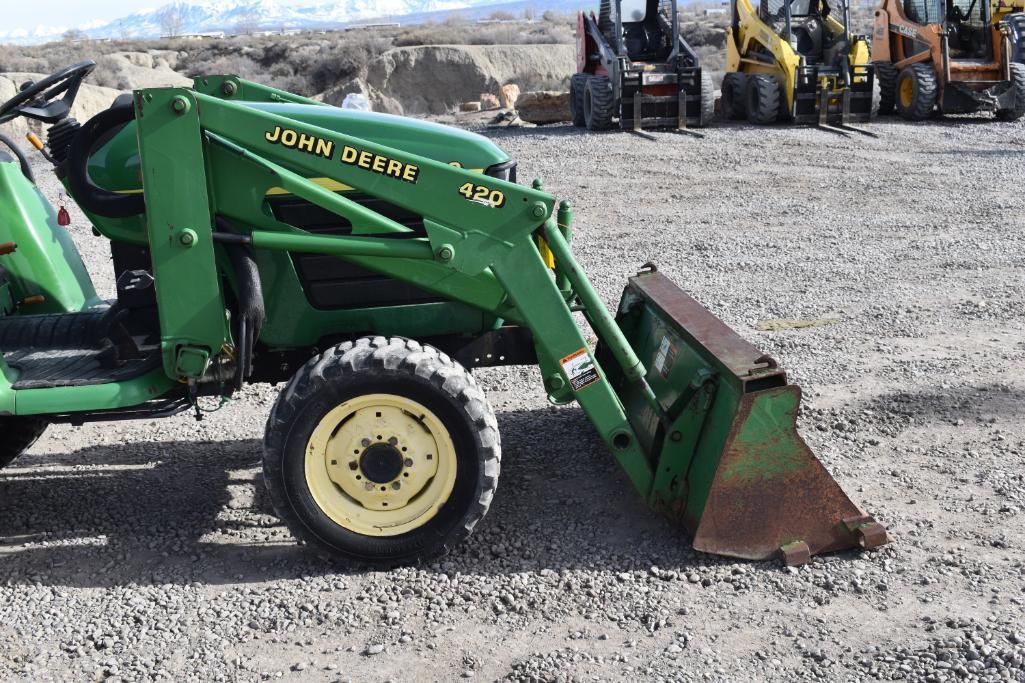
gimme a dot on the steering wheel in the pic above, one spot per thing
(39, 100)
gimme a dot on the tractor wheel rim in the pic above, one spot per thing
(380, 465)
(907, 92)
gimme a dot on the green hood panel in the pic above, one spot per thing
(115, 165)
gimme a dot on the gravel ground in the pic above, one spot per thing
(142, 550)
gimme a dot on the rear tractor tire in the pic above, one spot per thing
(917, 90)
(577, 90)
(1016, 110)
(381, 451)
(763, 95)
(598, 103)
(733, 101)
(886, 77)
(17, 434)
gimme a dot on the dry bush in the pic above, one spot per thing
(345, 60)
(109, 74)
(485, 34)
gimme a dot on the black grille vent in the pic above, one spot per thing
(334, 284)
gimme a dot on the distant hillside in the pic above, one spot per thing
(249, 16)
(423, 68)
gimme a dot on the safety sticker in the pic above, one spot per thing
(665, 357)
(580, 370)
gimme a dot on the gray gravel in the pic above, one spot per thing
(142, 550)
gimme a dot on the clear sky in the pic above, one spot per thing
(72, 13)
(28, 15)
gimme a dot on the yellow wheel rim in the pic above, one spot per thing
(907, 92)
(380, 465)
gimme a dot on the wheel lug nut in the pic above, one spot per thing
(408, 462)
(353, 465)
(392, 440)
(365, 443)
(396, 485)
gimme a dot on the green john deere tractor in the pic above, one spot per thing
(370, 262)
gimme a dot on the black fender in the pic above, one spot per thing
(87, 194)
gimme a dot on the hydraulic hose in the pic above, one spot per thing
(251, 311)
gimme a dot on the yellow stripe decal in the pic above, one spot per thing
(326, 183)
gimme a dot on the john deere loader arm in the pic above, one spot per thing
(701, 422)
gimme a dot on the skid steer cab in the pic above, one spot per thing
(797, 61)
(636, 70)
(371, 262)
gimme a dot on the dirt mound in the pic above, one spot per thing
(434, 79)
(134, 70)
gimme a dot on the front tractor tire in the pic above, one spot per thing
(577, 91)
(17, 434)
(599, 103)
(763, 96)
(381, 451)
(1017, 86)
(917, 90)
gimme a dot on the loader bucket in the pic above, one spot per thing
(727, 459)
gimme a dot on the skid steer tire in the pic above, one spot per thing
(17, 434)
(330, 494)
(598, 103)
(877, 99)
(1016, 110)
(763, 93)
(577, 89)
(785, 115)
(917, 90)
(734, 96)
(886, 77)
(707, 101)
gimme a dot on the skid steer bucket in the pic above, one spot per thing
(728, 461)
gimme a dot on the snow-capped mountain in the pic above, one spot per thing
(203, 16)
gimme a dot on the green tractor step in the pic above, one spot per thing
(369, 263)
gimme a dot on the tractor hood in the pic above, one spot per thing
(115, 164)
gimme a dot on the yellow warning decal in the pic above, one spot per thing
(579, 369)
